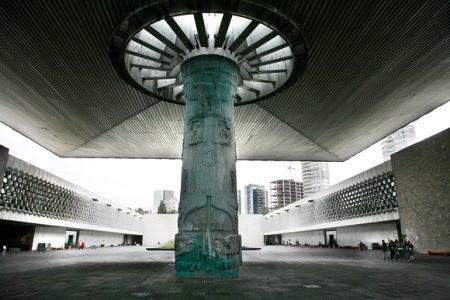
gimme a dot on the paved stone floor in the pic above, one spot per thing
(274, 272)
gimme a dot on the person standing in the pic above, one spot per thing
(391, 247)
(384, 247)
(83, 244)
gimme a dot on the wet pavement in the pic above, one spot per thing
(271, 273)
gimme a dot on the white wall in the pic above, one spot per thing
(348, 235)
(159, 228)
(98, 237)
(162, 228)
(250, 229)
(56, 236)
(367, 233)
(305, 237)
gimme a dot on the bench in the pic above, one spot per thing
(438, 252)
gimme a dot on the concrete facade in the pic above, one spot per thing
(308, 237)
(422, 173)
(99, 238)
(367, 233)
(50, 206)
(347, 235)
(56, 236)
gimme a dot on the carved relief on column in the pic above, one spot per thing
(207, 243)
(196, 131)
(224, 131)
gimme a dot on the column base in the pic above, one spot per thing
(194, 259)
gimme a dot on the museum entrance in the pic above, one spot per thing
(331, 238)
(16, 235)
(273, 239)
(72, 239)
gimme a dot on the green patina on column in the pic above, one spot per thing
(207, 243)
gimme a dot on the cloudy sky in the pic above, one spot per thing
(131, 182)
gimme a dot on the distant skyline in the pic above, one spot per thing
(131, 182)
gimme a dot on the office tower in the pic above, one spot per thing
(398, 140)
(167, 197)
(316, 177)
(284, 192)
(239, 201)
(256, 198)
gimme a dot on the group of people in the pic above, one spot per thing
(398, 250)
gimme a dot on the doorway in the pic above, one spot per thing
(16, 235)
(71, 239)
(331, 238)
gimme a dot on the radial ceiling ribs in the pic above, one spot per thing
(221, 34)
(267, 54)
(201, 30)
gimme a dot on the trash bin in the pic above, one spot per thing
(41, 247)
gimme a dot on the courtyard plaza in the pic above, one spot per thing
(273, 272)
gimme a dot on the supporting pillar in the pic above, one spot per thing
(207, 243)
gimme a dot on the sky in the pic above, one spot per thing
(131, 182)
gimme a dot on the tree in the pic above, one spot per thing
(264, 210)
(140, 211)
(162, 209)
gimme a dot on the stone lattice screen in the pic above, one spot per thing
(370, 193)
(30, 190)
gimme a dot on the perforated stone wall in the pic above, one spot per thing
(372, 196)
(30, 190)
(367, 194)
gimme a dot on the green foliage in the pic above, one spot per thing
(162, 209)
(264, 210)
(169, 245)
(140, 211)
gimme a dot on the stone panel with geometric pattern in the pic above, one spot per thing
(30, 190)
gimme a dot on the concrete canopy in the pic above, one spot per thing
(373, 67)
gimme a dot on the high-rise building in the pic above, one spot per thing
(398, 140)
(284, 192)
(239, 201)
(256, 198)
(316, 177)
(167, 197)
